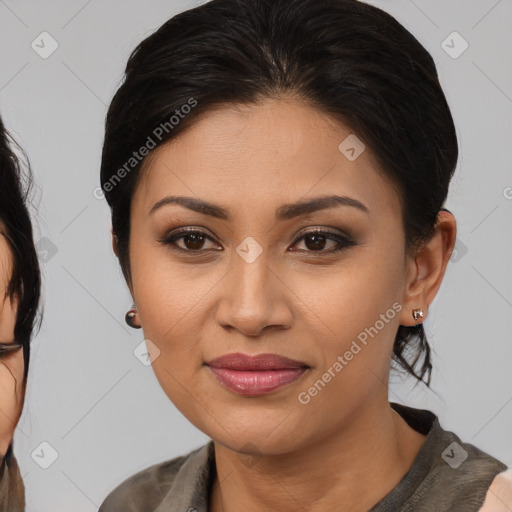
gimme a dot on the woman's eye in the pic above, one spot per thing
(6, 349)
(317, 240)
(192, 240)
(314, 241)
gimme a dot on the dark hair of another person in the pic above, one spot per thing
(25, 281)
(351, 61)
(24, 289)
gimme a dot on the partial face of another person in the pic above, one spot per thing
(11, 364)
(259, 283)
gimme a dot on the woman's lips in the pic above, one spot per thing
(256, 382)
(256, 375)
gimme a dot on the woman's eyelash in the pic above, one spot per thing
(8, 348)
(342, 240)
(171, 239)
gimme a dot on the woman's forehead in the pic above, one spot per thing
(274, 149)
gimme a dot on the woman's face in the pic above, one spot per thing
(279, 292)
(12, 365)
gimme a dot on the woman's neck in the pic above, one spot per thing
(355, 467)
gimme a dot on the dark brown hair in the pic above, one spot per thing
(25, 282)
(24, 287)
(348, 59)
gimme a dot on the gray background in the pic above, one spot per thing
(89, 397)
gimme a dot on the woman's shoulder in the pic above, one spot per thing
(145, 490)
(464, 477)
(141, 491)
(449, 474)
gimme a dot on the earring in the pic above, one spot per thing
(417, 313)
(130, 316)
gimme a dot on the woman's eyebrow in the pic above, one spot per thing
(284, 212)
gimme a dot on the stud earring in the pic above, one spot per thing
(417, 313)
(130, 317)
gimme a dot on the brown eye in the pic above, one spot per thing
(316, 241)
(193, 240)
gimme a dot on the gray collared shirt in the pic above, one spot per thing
(447, 475)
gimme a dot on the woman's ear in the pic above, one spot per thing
(427, 267)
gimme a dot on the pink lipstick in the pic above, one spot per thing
(256, 375)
